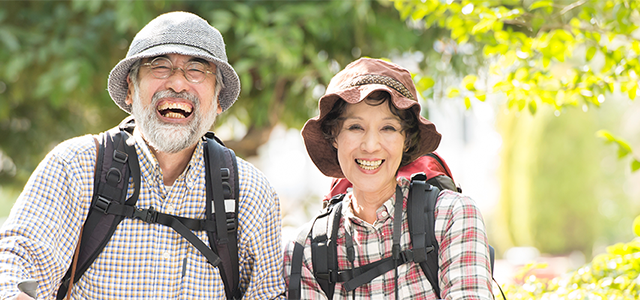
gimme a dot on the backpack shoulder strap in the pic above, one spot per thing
(222, 206)
(421, 209)
(323, 250)
(112, 171)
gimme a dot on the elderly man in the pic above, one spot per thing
(174, 81)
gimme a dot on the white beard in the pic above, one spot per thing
(167, 137)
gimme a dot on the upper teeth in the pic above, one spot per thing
(175, 105)
(369, 164)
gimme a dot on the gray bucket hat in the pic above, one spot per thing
(179, 33)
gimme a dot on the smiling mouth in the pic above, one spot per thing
(175, 110)
(369, 165)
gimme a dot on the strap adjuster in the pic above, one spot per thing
(330, 275)
(102, 204)
(231, 224)
(146, 215)
(120, 156)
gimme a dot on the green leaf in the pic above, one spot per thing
(635, 165)
(453, 92)
(9, 40)
(590, 53)
(469, 81)
(633, 92)
(425, 83)
(521, 74)
(533, 107)
(483, 26)
(539, 4)
(606, 135)
(623, 147)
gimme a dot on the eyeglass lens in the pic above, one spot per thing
(162, 68)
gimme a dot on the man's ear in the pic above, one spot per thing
(219, 110)
(129, 99)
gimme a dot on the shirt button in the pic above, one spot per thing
(170, 209)
(166, 255)
(384, 214)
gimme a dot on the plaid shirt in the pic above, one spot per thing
(141, 261)
(463, 254)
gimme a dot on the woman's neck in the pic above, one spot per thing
(365, 204)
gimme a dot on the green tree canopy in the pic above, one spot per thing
(56, 56)
(561, 53)
(556, 54)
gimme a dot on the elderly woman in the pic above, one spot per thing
(369, 126)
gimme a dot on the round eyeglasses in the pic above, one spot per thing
(162, 68)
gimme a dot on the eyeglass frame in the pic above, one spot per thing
(173, 69)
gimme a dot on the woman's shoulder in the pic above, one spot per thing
(453, 201)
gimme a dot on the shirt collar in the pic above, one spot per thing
(388, 206)
(150, 168)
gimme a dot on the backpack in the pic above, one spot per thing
(109, 206)
(434, 175)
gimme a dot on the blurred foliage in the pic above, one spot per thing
(562, 57)
(612, 275)
(559, 53)
(561, 188)
(55, 57)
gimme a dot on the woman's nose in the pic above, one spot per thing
(371, 142)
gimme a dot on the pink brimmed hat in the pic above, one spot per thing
(353, 84)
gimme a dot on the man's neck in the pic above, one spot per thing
(173, 164)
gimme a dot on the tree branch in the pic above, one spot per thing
(571, 6)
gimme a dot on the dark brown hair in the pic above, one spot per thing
(408, 120)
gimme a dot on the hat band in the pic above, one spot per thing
(174, 43)
(380, 79)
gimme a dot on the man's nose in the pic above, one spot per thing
(177, 81)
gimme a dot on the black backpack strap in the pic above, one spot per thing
(421, 208)
(222, 206)
(324, 250)
(295, 275)
(295, 278)
(113, 169)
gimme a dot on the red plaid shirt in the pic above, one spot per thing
(463, 254)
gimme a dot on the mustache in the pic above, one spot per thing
(171, 94)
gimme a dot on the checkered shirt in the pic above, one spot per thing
(140, 261)
(463, 254)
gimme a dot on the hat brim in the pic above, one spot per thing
(118, 86)
(324, 155)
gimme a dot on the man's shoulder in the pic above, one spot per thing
(248, 171)
(74, 148)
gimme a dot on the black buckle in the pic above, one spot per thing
(120, 157)
(102, 204)
(146, 215)
(331, 276)
(406, 256)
